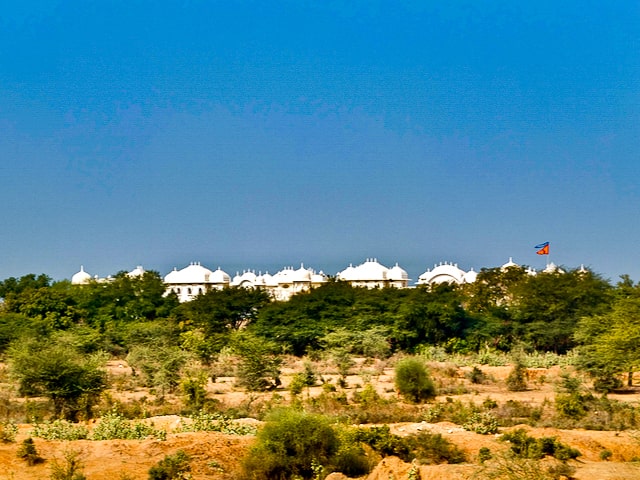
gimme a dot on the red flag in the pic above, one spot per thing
(544, 250)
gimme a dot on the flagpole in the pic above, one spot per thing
(549, 256)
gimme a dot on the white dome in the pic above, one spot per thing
(247, 279)
(266, 280)
(443, 273)
(172, 276)
(81, 277)
(552, 268)
(370, 270)
(347, 274)
(136, 272)
(301, 275)
(219, 276)
(397, 273)
(471, 276)
(510, 263)
(193, 274)
(286, 275)
(318, 277)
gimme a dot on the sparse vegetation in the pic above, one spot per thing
(484, 423)
(112, 426)
(510, 467)
(70, 467)
(60, 430)
(524, 446)
(215, 422)
(190, 359)
(8, 431)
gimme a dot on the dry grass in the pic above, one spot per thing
(369, 397)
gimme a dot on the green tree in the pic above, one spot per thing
(306, 318)
(489, 302)
(159, 365)
(493, 290)
(16, 286)
(547, 307)
(54, 307)
(431, 316)
(125, 299)
(259, 367)
(72, 381)
(609, 341)
(218, 313)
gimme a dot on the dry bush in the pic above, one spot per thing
(365, 406)
(509, 467)
(69, 467)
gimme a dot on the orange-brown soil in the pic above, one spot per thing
(217, 456)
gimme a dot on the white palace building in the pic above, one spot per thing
(195, 279)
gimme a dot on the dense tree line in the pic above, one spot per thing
(132, 316)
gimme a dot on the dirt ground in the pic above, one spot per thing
(216, 456)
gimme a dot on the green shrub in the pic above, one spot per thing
(605, 455)
(569, 384)
(297, 384)
(606, 383)
(171, 467)
(483, 423)
(491, 357)
(484, 454)
(60, 430)
(352, 460)
(516, 381)
(289, 444)
(341, 358)
(368, 396)
(72, 380)
(216, 422)
(193, 386)
(372, 343)
(114, 426)
(383, 441)
(476, 376)
(489, 403)
(8, 432)
(309, 375)
(413, 382)
(27, 452)
(427, 448)
(522, 445)
(571, 405)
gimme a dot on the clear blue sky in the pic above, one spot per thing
(263, 134)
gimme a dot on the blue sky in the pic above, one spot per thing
(264, 134)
